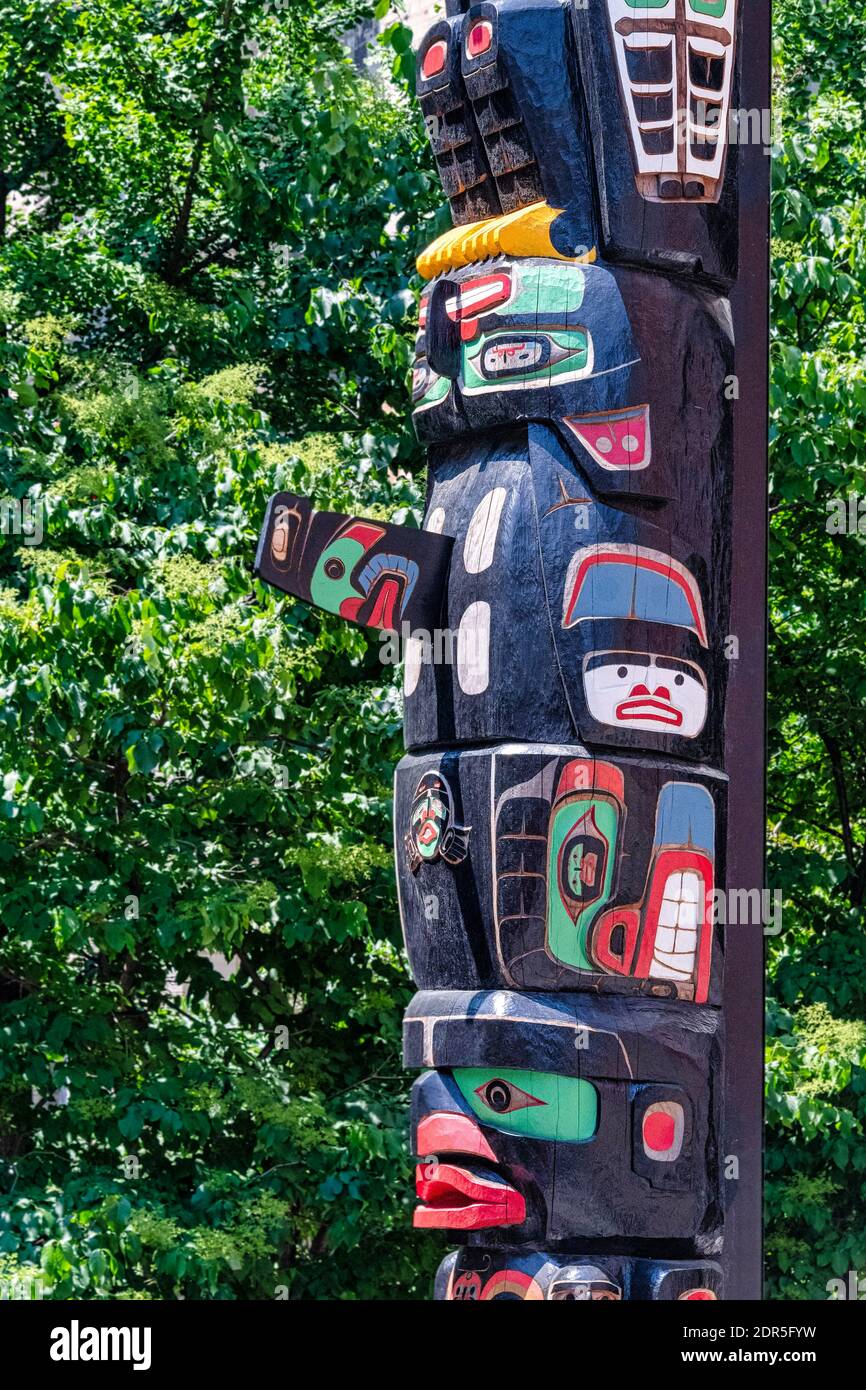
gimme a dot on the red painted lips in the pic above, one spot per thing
(458, 1198)
(650, 707)
(464, 1197)
(428, 832)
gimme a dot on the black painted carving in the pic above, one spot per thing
(565, 1118)
(368, 572)
(581, 872)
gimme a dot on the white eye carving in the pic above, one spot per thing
(473, 649)
(412, 667)
(480, 543)
(618, 674)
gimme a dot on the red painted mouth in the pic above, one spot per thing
(384, 610)
(461, 1196)
(445, 1131)
(427, 833)
(456, 1198)
(646, 707)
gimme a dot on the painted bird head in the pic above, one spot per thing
(356, 581)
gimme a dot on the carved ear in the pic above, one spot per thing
(662, 1125)
(455, 844)
(443, 330)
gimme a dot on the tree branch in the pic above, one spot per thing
(838, 771)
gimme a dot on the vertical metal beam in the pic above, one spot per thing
(746, 722)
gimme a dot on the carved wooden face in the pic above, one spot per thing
(562, 1135)
(579, 873)
(431, 814)
(546, 1163)
(492, 334)
(373, 589)
(640, 690)
(675, 59)
(584, 1284)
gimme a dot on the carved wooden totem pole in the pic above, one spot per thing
(583, 682)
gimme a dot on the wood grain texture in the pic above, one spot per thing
(567, 578)
(581, 419)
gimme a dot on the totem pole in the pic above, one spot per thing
(564, 807)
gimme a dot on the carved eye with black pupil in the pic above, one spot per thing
(622, 672)
(678, 680)
(497, 1094)
(502, 1096)
(335, 569)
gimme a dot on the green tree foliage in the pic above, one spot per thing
(206, 292)
(816, 1100)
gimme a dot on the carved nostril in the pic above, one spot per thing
(639, 690)
(662, 692)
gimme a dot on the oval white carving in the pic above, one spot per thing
(473, 649)
(412, 668)
(480, 543)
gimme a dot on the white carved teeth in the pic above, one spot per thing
(676, 942)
